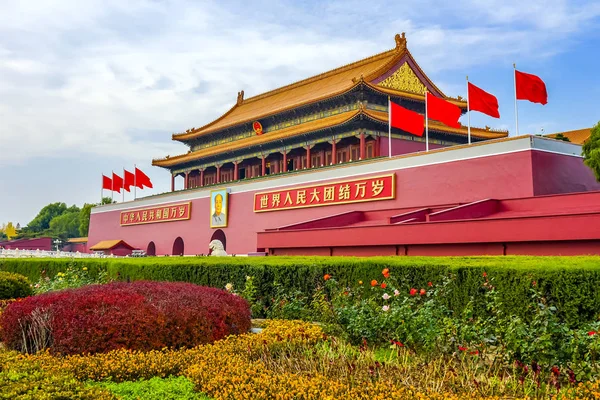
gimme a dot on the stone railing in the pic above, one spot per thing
(16, 253)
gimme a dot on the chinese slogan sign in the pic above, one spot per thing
(173, 212)
(352, 191)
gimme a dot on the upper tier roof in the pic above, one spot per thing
(327, 84)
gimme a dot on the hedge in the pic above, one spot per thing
(571, 283)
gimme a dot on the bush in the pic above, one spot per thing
(13, 286)
(139, 316)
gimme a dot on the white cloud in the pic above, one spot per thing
(114, 79)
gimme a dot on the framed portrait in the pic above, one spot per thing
(219, 203)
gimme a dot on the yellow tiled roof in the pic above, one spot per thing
(579, 136)
(107, 244)
(327, 84)
(328, 122)
(78, 240)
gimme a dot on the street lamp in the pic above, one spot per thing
(57, 243)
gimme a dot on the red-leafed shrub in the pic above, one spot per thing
(138, 316)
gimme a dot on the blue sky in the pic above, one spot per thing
(91, 86)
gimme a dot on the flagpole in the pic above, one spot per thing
(426, 125)
(112, 185)
(134, 182)
(389, 127)
(102, 189)
(516, 109)
(123, 198)
(468, 113)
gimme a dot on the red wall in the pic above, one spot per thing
(400, 146)
(28, 244)
(553, 173)
(499, 177)
(75, 247)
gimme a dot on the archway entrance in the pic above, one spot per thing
(178, 247)
(220, 235)
(151, 250)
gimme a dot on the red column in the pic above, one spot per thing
(362, 146)
(186, 182)
(376, 146)
(218, 178)
(308, 157)
(202, 177)
(172, 183)
(264, 167)
(333, 153)
(285, 162)
(235, 171)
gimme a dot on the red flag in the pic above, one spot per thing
(106, 183)
(443, 111)
(482, 101)
(129, 180)
(406, 120)
(117, 183)
(530, 87)
(141, 179)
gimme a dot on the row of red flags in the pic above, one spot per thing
(527, 87)
(116, 183)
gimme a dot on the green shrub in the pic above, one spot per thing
(569, 282)
(13, 286)
(22, 379)
(179, 388)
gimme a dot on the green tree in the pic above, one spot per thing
(41, 222)
(591, 151)
(84, 215)
(2, 236)
(560, 136)
(66, 225)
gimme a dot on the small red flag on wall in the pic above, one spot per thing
(530, 87)
(141, 179)
(106, 183)
(482, 101)
(409, 121)
(443, 111)
(129, 180)
(117, 183)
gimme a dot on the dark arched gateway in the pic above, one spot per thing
(151, 250)
(220, 235)
(178, 247)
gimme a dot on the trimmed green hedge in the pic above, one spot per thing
(571, 283)
(13, 286)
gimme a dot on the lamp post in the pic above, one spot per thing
(57, 243)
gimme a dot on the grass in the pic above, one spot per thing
(173, 388)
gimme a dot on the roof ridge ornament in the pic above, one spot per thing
(240, 98)
(400, 41)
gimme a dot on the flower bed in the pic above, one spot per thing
(290, 360)
(139, 316)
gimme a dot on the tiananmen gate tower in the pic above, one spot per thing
(308, 169)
